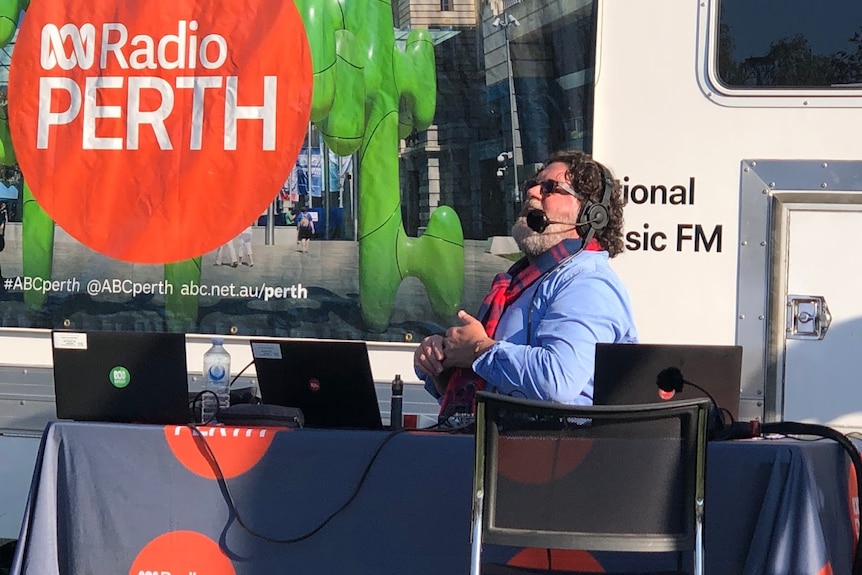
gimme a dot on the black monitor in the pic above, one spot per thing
(330, 381)
(626, 373)
(114, 376)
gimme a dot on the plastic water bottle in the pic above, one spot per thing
(216, 380)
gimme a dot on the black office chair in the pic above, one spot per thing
(596, 478)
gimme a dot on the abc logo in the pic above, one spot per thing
(131, 124)
(182, 553)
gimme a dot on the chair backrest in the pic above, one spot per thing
(605, 478)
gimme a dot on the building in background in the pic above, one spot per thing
(549, 48)
(435, 165)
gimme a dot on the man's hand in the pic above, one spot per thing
(428, 359)
(464, 344)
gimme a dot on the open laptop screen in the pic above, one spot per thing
(121, 376)
(330, 381)
(626, 373)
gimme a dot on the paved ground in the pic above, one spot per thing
(329, 273)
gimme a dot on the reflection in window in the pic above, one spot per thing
(445, 5)
(11, 184)
(790, 43)
(553, 61)
(550, 45)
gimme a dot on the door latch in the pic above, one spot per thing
(807, 317)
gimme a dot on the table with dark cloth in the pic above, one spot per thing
(110, 498)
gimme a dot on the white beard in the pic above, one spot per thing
(533, 243)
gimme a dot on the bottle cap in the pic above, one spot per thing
(218, 340)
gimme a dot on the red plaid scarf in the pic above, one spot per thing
(505, 289)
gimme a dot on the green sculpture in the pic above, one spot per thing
(367, 95)
(37, 235)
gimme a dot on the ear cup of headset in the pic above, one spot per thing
(583, 220)
(595, 216)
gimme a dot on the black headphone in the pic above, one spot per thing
(593, 214)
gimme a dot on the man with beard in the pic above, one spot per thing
(537, 329)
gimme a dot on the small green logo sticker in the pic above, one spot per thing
(120, 377)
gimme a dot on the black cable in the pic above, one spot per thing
(671, 380)
(724, 411)
(242, 371)
(199, 397)
(446, 427)
(795, 428)
(798, 438)
(208, 454)
(719, 411)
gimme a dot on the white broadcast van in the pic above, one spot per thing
(732, 128)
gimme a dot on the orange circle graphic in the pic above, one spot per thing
(533, 461)
(157, 135)
(560, 560)
(235, 449)
(181, 552)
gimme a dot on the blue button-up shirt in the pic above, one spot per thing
(579, 304)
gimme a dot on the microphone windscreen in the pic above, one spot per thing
(537, 220)
(670, 379)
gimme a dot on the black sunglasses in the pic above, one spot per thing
(549, 187)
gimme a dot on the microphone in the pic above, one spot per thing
(670, 382)
(538, 221)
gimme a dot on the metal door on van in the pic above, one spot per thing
(799, 291)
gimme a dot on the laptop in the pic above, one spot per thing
(125, 377)
(626, 373)
(330, 381)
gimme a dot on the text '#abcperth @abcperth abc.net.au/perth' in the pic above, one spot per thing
(115, 286)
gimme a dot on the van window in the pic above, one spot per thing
(789, 44)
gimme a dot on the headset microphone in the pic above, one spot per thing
(538, 221)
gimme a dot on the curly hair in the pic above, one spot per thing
(586, 176)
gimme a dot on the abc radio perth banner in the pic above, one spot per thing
(161, 151)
